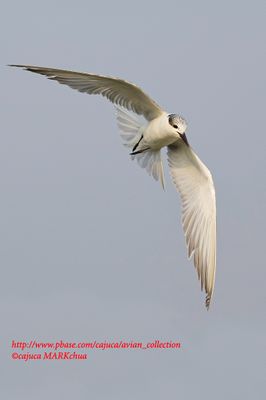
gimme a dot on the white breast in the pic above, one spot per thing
(159, 133)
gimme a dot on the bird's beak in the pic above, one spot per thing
(184, 138)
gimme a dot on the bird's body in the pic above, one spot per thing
(158, 133)
(145, 128)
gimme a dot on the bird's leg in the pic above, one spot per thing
(136, 145)
(139, 151)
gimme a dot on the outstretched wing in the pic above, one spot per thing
(194, 183)
(118, 91)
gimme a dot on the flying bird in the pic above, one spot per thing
(146, 128)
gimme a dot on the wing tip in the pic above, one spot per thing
(30, 68)
(208, 301)
(17, 65)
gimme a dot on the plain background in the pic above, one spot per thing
(91, 247)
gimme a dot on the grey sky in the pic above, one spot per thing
(91, 247)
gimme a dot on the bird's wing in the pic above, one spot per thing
(118, 91)
(194, 182)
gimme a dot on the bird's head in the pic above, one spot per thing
(179, 124)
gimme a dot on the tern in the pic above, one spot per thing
(146, 128)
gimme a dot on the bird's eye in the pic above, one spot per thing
(175, 126)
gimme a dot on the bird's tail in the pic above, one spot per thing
(130, 125)
(131, 128)
(151, 161)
